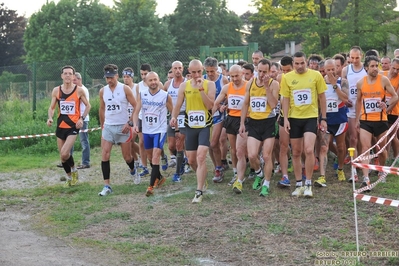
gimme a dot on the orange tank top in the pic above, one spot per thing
(235, 99)
(68, 108)
(372, 95)
(395, 83)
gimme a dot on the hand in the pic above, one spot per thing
(199, 82)
(136, 129)
(126, 128)
(349, 103)
(79, 124)
(323, 126)
(49, 122)
(332, 78)
(173, 122)
(287, 126)
(241, 130)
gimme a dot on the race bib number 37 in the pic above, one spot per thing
(196, 118)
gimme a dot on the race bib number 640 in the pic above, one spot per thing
(196, 118)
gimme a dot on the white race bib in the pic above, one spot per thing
(151, 120)
(258, 104)
(196, 118)
(302, 97)
(235, 101)
(372, 105)
(332, 105)
(113, 107)
(67, 108)
(180, 121)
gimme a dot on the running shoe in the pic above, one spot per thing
(341, 175)
(251, 174)
(225, 165)
(150, 191)
(264, 191)
(197, 197)
(106, 191)
(277, 168)
(355, 177)
(233, 179)
(75, 177)
(316, 164)
(183, 166)
(159, 182)
(320, 182)
(144, 172)
(219, 174)
(68, 182)
(176, 178)
(365, 183)
(136, 176)
(347, 159)
(257, 184)
(308, 191)
(237, 187)
(172, 162)
(284, 182)
(298, 191)
(164, 161)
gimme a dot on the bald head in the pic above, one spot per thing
(235, 68)
(329, 62)
(152, 80)
(177, 69)
(195, 62)
(396, 53)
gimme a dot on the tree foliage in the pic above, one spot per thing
(329, 26)
(198, 22)
(138, 28)
(12, 29)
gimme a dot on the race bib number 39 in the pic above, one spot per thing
(196, 118)
(302, 97)
(258, 104)
(67, 108)
(372, 105)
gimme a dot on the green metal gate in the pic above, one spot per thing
(229, 55)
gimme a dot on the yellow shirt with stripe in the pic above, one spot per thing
(258, 106)
(197, 115)
(303, 91)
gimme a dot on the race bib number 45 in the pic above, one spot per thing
(196, 118)
(67, 108)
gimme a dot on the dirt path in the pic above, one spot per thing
(20, 246)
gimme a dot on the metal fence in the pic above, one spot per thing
(40, 78)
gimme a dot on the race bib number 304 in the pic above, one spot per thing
(67, 108)
(196, 118)
(258, 104)
(302, 97)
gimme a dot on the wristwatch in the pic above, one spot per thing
(335, 86)
(130, 123)
(83, 118)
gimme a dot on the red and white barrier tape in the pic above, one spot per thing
(383, 201)
(44, 135)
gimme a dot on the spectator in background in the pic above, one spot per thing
(83, 134)
(396, 53)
